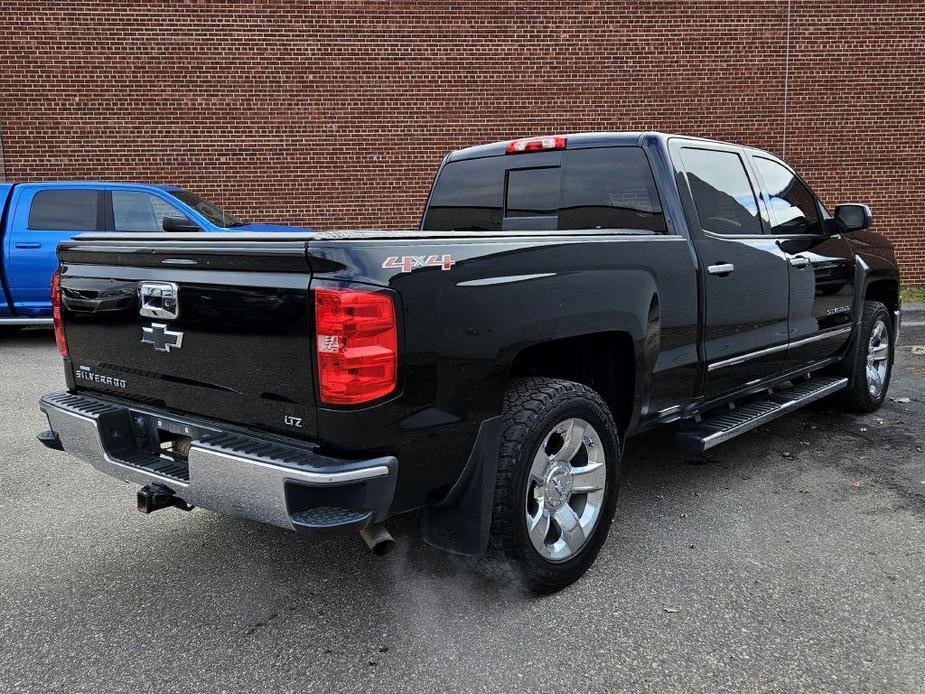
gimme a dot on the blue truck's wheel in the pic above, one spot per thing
(558, 477)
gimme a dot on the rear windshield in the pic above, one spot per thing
(599, 188)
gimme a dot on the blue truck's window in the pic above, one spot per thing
(214, 214)
(609, 188)
(65, 210)
(597, 188)
(532, 192)
(138, 211)
(721, 190)
(793, 206)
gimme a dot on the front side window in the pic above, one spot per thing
(793, 206)
(721, 190)
(139, 211)
(65, 210)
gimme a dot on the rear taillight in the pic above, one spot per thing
(357, 343)
(56, 313)
(536, 144)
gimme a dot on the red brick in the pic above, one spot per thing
(336, 114)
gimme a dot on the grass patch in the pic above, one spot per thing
(913, 294)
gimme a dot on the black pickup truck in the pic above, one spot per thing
(561, 294)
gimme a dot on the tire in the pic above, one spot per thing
(549, 412)
(862, 395)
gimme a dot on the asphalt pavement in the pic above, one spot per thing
(790, 559)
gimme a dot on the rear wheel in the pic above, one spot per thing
(873, 365)
(558, 474)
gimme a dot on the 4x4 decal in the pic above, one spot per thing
(407, 263)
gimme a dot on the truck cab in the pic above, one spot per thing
(36, 217)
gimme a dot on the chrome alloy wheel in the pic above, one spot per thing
(565, 489)
(878, 355)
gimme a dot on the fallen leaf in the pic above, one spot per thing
(671, 610)
(856, 483)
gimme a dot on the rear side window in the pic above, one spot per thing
(138, 211)
(65, 210)
(793, 206)
(599, 188)
(721, 190)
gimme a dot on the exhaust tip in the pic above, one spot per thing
(378, 539)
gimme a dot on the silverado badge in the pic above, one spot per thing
(161, 338)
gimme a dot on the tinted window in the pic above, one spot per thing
(793, 207)
(532, 192)
(64, 210)
(609, 188)
(468, 196)
(599, 188)
(722, 192)
(137, 211)
(214, 214)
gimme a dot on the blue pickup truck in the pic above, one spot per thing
(35, 217)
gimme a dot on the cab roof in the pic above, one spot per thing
(577, 141)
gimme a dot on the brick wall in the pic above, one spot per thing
(336, 114)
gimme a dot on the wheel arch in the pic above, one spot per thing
(604, 361)
(885, 290)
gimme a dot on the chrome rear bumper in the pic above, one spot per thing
(286, 485)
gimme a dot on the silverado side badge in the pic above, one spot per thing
(159, 300)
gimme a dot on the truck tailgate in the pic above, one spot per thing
(232, 343)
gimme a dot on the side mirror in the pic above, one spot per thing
(853, 217)
(179, 224)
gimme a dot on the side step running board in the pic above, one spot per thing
(728, 425)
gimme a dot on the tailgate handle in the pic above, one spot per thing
(159, 300)
(28, 244)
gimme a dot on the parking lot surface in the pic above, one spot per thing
(790, 559)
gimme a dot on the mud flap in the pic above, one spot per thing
(461, 522)
(857, 311)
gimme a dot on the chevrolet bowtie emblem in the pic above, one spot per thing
(161, 338)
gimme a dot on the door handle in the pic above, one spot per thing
(721, 269)
(798, 261)
(28, 244)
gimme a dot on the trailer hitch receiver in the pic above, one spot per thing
(153, 497)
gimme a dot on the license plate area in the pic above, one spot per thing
(166, 439)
